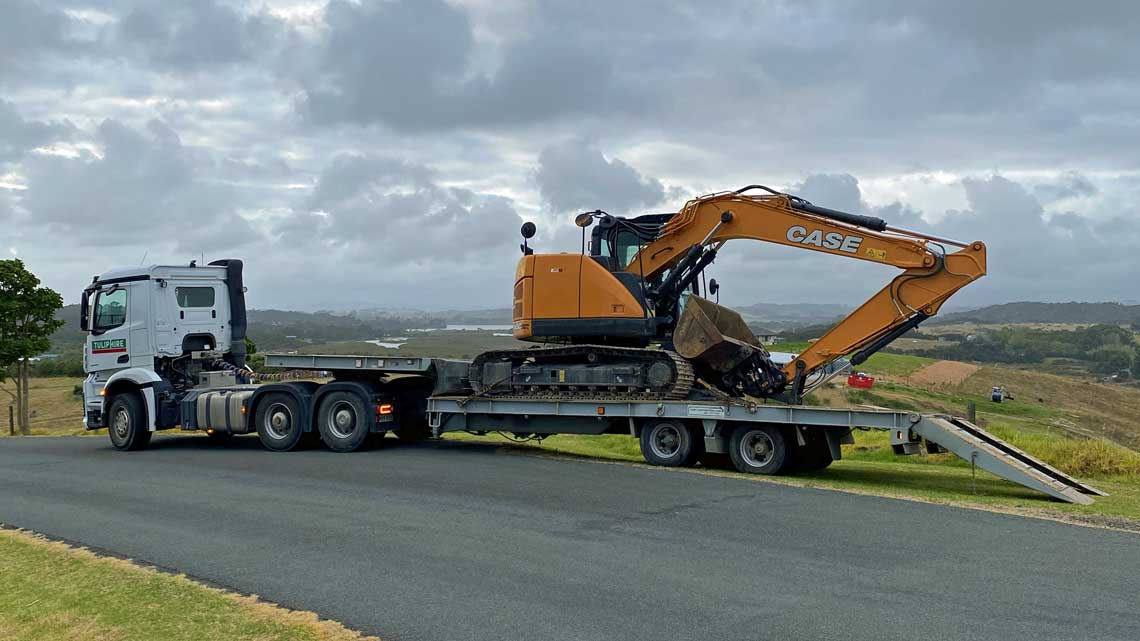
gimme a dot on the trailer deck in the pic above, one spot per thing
(910, 432)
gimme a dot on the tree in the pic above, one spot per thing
(27, 321)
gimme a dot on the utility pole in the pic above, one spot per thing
(11, 420)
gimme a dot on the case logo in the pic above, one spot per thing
(109, 346)
(832, 240)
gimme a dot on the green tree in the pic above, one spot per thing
(27, 321)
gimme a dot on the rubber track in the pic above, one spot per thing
(682, 370)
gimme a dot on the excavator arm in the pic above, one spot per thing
(690, 239)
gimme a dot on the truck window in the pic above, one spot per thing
(194, 296)
(110, 310)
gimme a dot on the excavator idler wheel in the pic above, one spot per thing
(669, 443)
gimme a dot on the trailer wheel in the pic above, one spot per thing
(668, 443)
(814, 455)
(127, 423)
(279, 422)
(344, 422)
(761, 449)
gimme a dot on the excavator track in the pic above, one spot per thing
(520, 385)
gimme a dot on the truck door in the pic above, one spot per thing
(197, 319)
(108, 347)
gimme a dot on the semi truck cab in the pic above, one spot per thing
(150, 329)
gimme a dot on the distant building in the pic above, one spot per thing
(766, 336)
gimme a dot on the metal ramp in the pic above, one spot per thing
(994, 455)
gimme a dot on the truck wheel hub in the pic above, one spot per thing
(122, 423)
(757, 449)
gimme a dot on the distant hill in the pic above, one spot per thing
(1028, 312)
(784, 316)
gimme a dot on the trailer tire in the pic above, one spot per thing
(760, 449)
(344, 421)
(126, 423)
(280, 426)
(814, 455)
(714, 461)
(668, 443)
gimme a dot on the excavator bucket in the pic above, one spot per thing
(713, 336)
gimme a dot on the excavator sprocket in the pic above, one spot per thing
(575, 372)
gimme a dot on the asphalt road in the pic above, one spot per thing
(460, 541)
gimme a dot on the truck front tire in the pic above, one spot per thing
(761, 449)
(126, 423)
(344, 421)
(280, 425)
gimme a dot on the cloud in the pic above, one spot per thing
(145, 188)
(18, 136)
(576, 176)
(194, 35)
(407, 139)
(410, 65)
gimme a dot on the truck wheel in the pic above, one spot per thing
(668, 443)
(127, 423)
(279, 422)
(344, 422)
(758, 450)
(814, 456)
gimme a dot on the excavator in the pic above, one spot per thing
(627, 319)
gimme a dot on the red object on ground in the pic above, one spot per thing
(861, 381)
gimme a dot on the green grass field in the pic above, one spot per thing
(53, 592)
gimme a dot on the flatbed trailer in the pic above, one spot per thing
(747, 432)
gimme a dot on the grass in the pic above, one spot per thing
(52, 592)
(54, 408)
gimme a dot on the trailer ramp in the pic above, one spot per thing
(994, 455)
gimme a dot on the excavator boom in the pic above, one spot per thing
(930, 274)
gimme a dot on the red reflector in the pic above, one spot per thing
(601, 411)
(384, 408)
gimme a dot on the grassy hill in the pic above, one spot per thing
(1030, 312)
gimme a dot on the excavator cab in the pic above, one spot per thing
(596, 298)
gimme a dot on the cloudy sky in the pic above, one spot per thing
(384, 153)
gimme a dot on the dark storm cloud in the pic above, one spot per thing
(146, 187)
(382, 209)
(19, 135)
(576, 176)
(411, 136)
(406, 63)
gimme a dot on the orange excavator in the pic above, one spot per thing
(626, 320)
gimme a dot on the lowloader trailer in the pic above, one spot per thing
(166, 350)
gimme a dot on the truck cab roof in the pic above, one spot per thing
(149, 272)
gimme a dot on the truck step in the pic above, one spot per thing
(994, 455)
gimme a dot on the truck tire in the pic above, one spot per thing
(814, 455)
(759, 449)
(668, 443)
(126, 423)
(280, 426)
(344, 421)
(413, 430)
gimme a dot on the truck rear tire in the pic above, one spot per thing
(760, 449)
(279, 422)
(344, 421)
(668, 443)
(814, 455)
(127, 423)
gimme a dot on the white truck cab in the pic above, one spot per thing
(155, 329)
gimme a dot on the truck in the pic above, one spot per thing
(166, 350)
